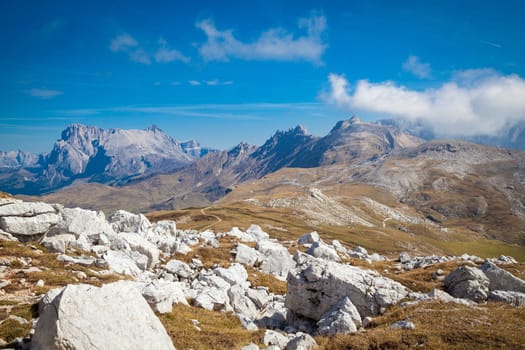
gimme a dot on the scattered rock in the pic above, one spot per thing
(468, 282)
(309, 238)
(342, 318)
(403, 325)
(509, 297)
(278, 261)
(315, 286)
(302, 341)
(247, 255)
(501, 279)
(323, 251)
(250, 346)
(275, 338)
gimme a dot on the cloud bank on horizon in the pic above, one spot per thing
(473, 102)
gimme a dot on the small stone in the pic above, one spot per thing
(40, 283)
(403, 325)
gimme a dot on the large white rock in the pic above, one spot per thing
(164, 228)
(114, 316)
(275, 338)
(509, 297)
(315, 286)
(309, 238)
(323, 251)
(27, 227)
(343, 318)
(178, 268)
(243, 236)
(278, 261)
(257, 233)
(124, 221)
(125, 262)
(302, 341)
(242, 305)
(501, 279)
(468, 282)
(235, 274)
(213, 299)
(26, 209)
(79, 221)
(161, 295)
(143, 246)
(247, 255)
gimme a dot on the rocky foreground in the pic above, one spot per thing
(325, 294)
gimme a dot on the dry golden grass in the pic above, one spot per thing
(219, 330)
(210, 256)
(259, 279)
(11, 329)
(440, 326)
(54, 273)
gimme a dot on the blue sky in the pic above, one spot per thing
(231, 71)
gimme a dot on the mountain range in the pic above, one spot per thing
(91, 154)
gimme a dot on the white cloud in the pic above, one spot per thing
(473, 102)
(44, 93)
(274, 44)
(126, 43)
(165, 54)
(194, 82)
(123, 43)
(415, 66)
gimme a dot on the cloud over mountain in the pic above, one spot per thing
(473, 102)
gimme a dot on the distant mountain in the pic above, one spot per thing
(17, 159)
(214, 175)
(96, 155)
(511, 137)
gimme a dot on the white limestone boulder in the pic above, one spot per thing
(257, 233)
(26, 209)
(468, 282)
(77, 221)
(161, 295)
(247, 255)
(114, 316)
(342, 318)
(124, 221)
(278, 261)
(29, 227)
(315, 286)
(309, 238)
(501, 279)
(142, 246)
(323, 251)
(509, 297)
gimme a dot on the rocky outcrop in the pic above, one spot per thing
(501, 279)
(508, 297)
(113, 316)
(315, 286)
(26, 220)
(468, 282)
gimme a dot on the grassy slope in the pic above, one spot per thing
(285, 224)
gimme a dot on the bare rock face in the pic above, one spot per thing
(315, 286)
(509, 297)
(501, 279)
(26, 220)
(468, 282)
(114, 316)
(342, 318)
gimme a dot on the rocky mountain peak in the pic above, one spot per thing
(153, 128)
